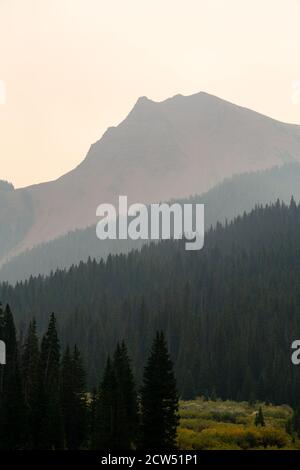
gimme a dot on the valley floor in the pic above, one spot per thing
(229, 425)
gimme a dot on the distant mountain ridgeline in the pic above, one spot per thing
(224, 202)
(183, 145)
(230, 312)
(16, 217)
(6, 186)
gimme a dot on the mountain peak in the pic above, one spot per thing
(163, 149)
(143, 100)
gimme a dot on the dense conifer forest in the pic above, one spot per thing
(223, 202)
(229, 312)
(45, 403)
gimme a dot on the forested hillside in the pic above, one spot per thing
(45, 405)
(229, 312)
(223, 202)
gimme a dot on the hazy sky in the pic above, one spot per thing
(74, 67)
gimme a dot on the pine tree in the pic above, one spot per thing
(79, 377)
(12, 407)
(105, 426)
(67, 395)
(259, 418)
(92, 411)
(49, 405)
(293, 424)
(126, 415)
(159, 400)
(2, 336)
(73, 399)
(30, 379)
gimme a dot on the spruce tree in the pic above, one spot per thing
(259, 418)
(12, 423)
(92, 414)
(159, 400)
(67, 396)
(293, 424)
(73, 399)
(30, 379)
(105, 426)
(80, 397)
(126, 415)
(49, 405)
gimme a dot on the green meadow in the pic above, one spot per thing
(229, 425)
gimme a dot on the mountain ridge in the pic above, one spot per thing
(161, 150)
